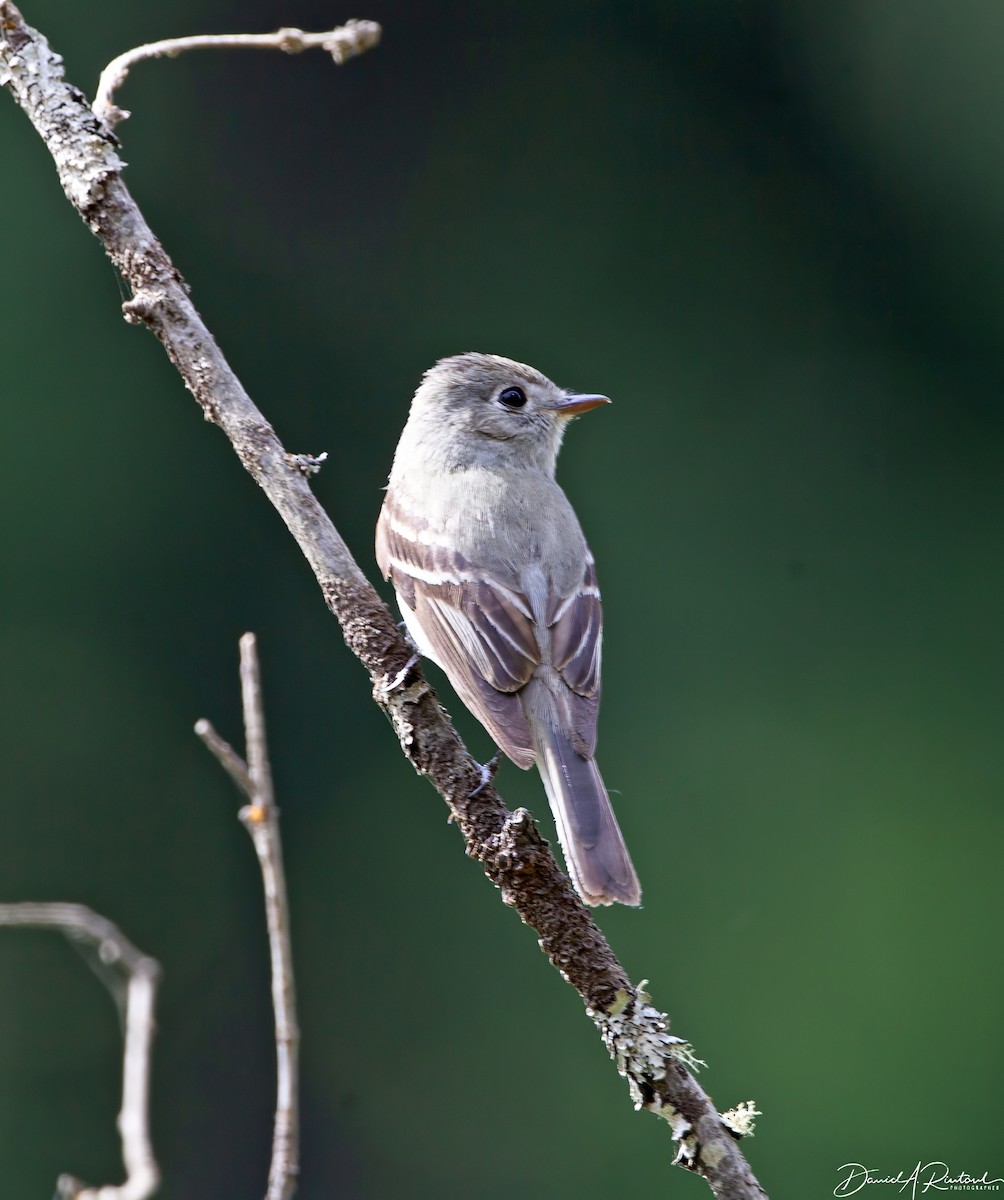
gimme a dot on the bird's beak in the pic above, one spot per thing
(574, 403)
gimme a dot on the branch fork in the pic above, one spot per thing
(261, 819)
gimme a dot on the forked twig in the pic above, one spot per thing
(261, 819)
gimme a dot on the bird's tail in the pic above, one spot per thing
(597, 858)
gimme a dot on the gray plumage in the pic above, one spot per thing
(497, 585)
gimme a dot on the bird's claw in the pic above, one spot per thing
(487, 770)
(393, 684)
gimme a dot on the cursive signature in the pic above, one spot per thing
(923, 1177)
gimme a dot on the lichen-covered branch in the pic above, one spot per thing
(507, 844)
(113, 949)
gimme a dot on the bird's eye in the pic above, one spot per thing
(513, 397)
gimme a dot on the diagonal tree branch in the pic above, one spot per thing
(507, 844)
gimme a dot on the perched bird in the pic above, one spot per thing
(498, 587)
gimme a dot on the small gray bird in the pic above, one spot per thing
(498, 587)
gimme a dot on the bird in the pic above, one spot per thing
(497, 586)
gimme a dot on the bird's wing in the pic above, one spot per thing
(576, 625)
(477, 629)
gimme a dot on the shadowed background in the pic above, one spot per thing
(772, 233)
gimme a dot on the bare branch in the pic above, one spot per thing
(254, 725)
(507, 844)
(342, 43)
(225, 755)
(113, 948)
(261, 819)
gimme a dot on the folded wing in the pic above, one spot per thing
(482, 633)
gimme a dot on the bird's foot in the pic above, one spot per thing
(487, 770)
(391, 685)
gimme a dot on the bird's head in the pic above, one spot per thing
(485, 408)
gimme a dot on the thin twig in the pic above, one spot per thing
(261, 819)
(225, 755)
(342, 43)
(507, 844)
(254, 725)
(114, 949)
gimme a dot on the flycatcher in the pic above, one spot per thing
(498, 587)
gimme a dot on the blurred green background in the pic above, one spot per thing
(772, 232)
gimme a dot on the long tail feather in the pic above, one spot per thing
(597, 858)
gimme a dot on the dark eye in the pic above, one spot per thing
(513, 397)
